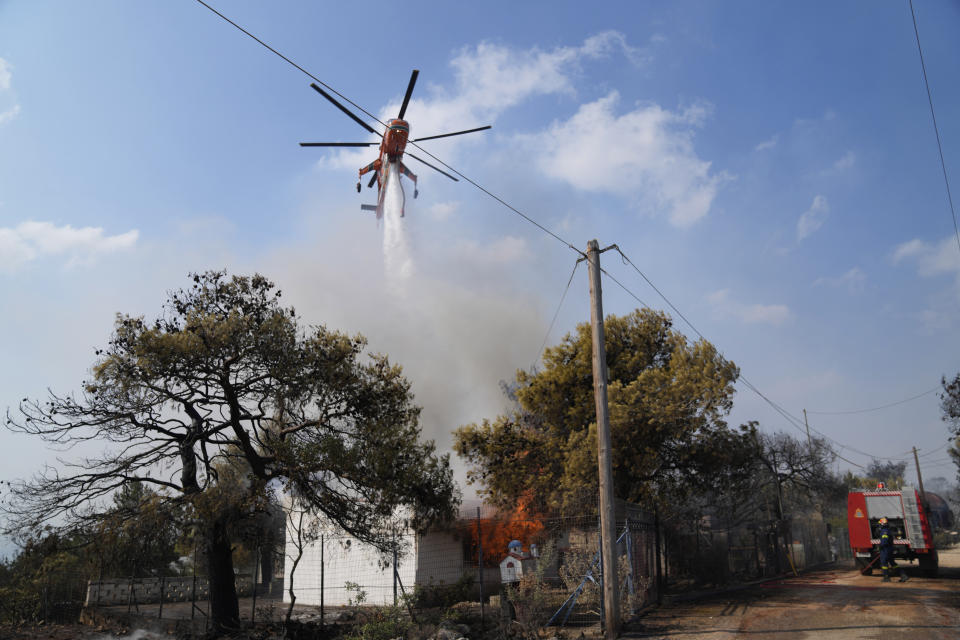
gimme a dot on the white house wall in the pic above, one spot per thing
(434, 558)
(439, 559)
(355, 562)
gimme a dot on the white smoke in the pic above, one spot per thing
(397, 260)
(458, 323)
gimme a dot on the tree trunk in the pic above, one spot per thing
(224, 609)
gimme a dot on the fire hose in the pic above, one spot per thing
(863, 571)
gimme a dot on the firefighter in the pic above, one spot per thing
(886, 552)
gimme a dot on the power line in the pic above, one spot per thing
(622, 286)
(500, 200)
(370, 115)
(885, 406)
(660, 293)
(936, 129)
(557, 312)
(940, 448)
(792, 420)
(292, 63)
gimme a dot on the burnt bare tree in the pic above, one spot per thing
(226, 377)
(796, 470)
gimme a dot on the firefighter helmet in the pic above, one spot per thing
(883, 521)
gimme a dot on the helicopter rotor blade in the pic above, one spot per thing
(339, 144)
(455, 133)
(352, 115)
(373, 179)
(406, 98)
(432, 167)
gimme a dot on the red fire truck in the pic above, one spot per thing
(908, 522)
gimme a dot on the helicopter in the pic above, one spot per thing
(392, 148)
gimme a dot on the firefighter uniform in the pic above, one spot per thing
(886, 553)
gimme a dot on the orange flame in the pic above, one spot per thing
(496, 533)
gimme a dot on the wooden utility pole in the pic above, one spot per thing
(608, 535)
(807, 425)
(916, 461)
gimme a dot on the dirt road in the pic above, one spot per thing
(830, 604)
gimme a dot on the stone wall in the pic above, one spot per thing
(111, 591)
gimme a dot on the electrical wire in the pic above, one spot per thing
(936, 129)
(294, 64)
(370, 115)
(940, 448)
(791, 419)
(885, 406)
(622, 286)
(543, 345)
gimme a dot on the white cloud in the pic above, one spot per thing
(9, 114)
(646, 153)
(5, 75)
(492, 78)
(845, 162)
(909, 249)
(443, 210)
(853, 280)
(934, 321)
(935, 260)
(931, 260)
(775, 314)
(816, 121)
(489, 79)
(813, 218)
(499, 252)
(724, 305)
(768, 144)
(31, 240)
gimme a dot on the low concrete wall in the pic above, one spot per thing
(113, 591)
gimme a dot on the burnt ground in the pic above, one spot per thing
(827, 604)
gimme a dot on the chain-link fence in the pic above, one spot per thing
(547, 571)
(512, 568)
(706, 553)
(65, 595)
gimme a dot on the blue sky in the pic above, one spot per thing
(770, 166)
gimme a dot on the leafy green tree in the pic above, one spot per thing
(950, 406)
(668, 399)
(887, 471)
(138, 536)
(227, 375)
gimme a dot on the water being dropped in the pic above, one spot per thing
(396, 248)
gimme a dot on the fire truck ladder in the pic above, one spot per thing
(911, 519)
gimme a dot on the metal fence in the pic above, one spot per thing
(552, 576)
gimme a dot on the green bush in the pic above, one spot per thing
(443, 595)
(19, 604)
(380, 623)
